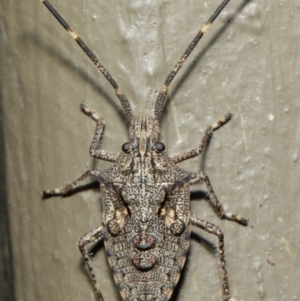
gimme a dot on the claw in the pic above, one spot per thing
(48, 193)
(88, 112)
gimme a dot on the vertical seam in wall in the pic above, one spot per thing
(6, 258)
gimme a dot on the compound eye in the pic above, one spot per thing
(126, 147)
(159, 147)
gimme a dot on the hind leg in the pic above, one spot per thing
(87, 238)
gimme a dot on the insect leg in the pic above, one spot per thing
(213, 229)
(71, 187)
(87, 238)
(94, 152)
(208, 132)
(215, 202)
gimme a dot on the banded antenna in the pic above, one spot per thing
(120, 93)
(160, 101)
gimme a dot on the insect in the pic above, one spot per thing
(146, 222)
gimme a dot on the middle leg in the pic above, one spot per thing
(71, 187)
(215, 201)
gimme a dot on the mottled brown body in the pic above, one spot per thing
(146, 222)
(146, 225)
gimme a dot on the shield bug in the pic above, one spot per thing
(146, 222)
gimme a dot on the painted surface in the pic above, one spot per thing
(248, 64)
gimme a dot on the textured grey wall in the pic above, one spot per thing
(249, 66)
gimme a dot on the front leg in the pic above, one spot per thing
(215, 202)
(208, 132)
(71, 187)
(213, 229)
(87, 238)
(94, 152)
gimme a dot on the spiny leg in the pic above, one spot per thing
(164, 90)
(71, 187)
(94, 152)
(120, 94)
(208, 132)
(87, 238)
(213, 229)
(216, 203)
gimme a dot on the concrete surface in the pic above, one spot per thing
(247, 63)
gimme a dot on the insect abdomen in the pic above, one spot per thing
(146, 259)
